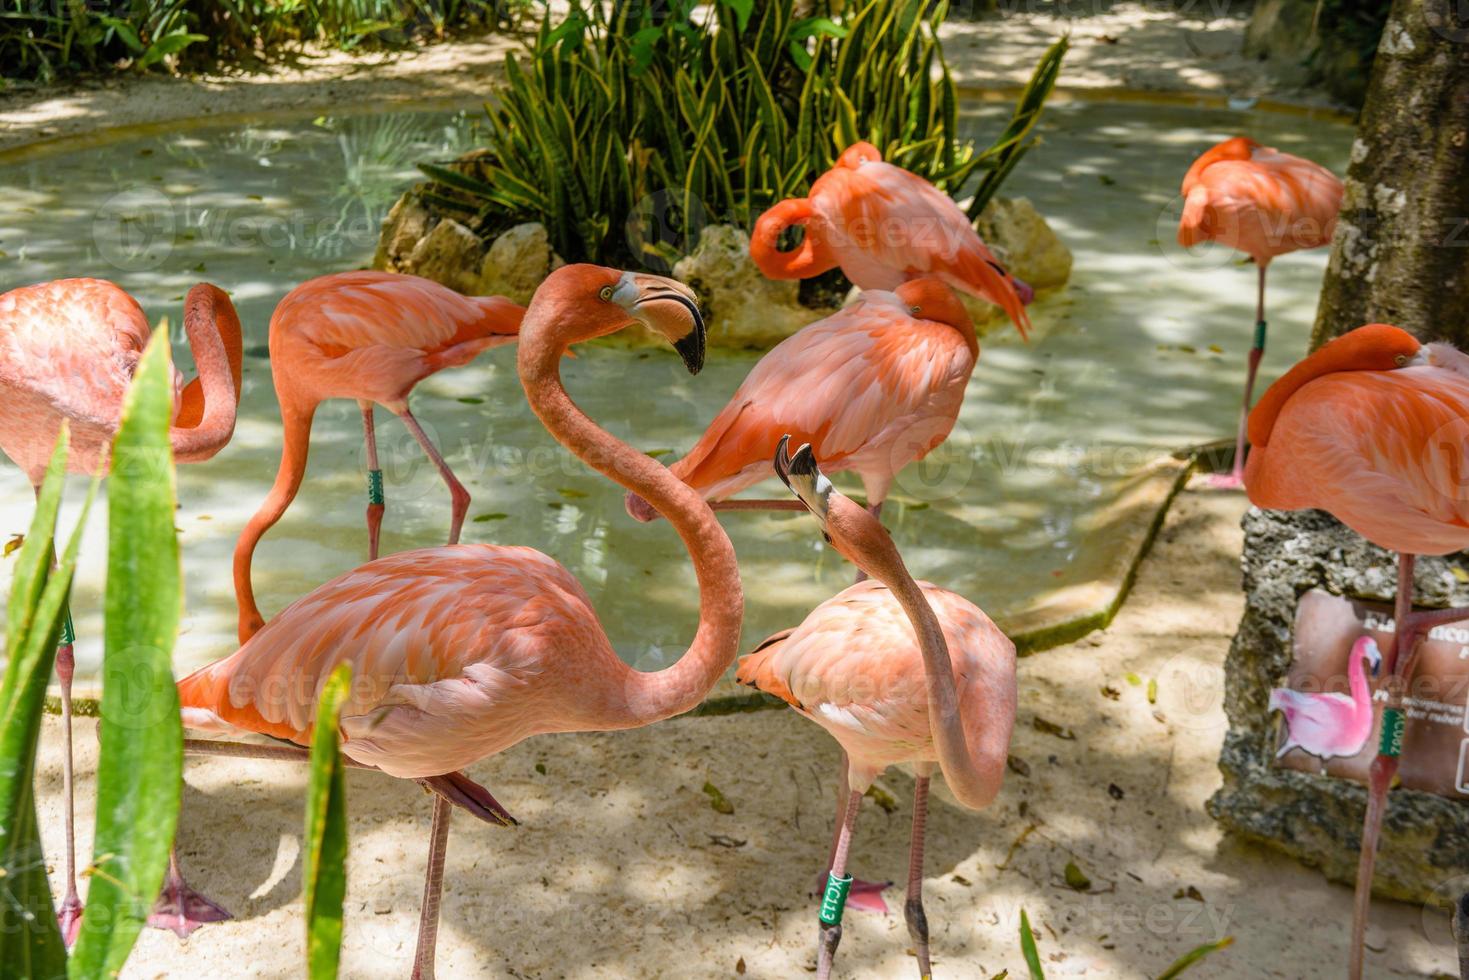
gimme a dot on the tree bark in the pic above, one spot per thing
(1401, 250)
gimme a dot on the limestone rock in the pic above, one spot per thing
(448, 254)
(1315, 819)
(745, 309)
(516, 263)
(1024, 243)
(405, 225)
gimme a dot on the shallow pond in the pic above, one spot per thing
(1141, 355)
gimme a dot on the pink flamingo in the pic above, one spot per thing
(1264, 203)
(884, 225)
(369, 336)
(461, 651)
(68, 349)
(1330, 724)
(872, 387)
(1371, 428)
(897, 671)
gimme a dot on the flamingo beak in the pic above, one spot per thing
(667, 307)
(800, 474)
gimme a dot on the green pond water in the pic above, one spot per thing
(1142, 354)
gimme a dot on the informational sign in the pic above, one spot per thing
(1329, 710)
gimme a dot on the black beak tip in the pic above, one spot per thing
(803, 463)
(691, 349)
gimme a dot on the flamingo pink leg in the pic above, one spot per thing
(179, 907)
(69, 916)
(913, 907)
(830, 936)
(1236, 477)
(865, 896)
(1397, 666)
(433, 891)
(458, 496)
(375, 502)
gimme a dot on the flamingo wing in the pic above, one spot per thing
(1381, 450)
(73, 343)
(889, 225)
(1265, 205)
(852, 385)
(448, 648)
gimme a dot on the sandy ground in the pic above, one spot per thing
(1123, 46)
(622, 868)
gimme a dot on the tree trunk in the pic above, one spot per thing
(1401, 250)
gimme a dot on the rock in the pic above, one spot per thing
(405, 225)
(516, 263)
(1315, 819)
(1024, 243)
(448, 254)
(744, 308)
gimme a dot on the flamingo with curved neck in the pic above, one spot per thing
(1329, 724)
(370, 336)
(898, 671)
(68, 349)
(461, 651)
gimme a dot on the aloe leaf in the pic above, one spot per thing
(140, 761)
(31, 945)
(324, 879)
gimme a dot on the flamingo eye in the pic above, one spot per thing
(827, 537)
(915, 310)
(1400, 360)
(605, 292)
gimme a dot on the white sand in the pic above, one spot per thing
(621, 868)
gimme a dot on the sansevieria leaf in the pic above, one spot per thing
(324, 879)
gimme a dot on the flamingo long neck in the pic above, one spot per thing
(1357, 681)
(972, 783)
(647, 696)
(208, 404)
(811, 258)
(296, 441)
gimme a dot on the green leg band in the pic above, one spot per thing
(1391, 743)
(1260, 335)
(68, 632)
(834, 899)
(375, 486)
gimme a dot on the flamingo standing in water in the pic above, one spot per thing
(1264, 203)
(460, 652)
(68, 350)
(369, 336)
(1329, 724)
(884, 225)
(897, 671)
(872, 387)
(1371, 427)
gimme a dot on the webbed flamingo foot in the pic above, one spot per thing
(182, 909)
(69, 920)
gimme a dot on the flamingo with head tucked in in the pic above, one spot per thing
(897, 671)
(370, 336)
(461, 651)
(1371, 427)
(872, 387)
(1329, 724)
(68, 349)
(884, 225)
(1264, 203)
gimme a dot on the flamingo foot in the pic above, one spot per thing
(865, 896)
(183, 910)
(69, 920)
(1225, 481)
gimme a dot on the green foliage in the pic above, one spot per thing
(624, 134)
(46, 39)
(1033, 957)
(325, 879)
(140, 762)
(30, 943)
